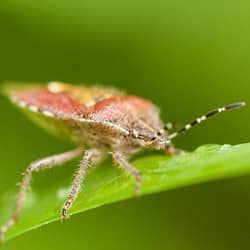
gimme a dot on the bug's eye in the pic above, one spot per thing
(153, 138)
(159, 133)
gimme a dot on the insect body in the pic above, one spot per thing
(99, 120)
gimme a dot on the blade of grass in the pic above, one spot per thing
(107, 184)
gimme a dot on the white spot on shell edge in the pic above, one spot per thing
(54, 87)
(48, 113)
(33, 108)
(20, 103)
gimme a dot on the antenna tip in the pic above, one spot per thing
(235, 105)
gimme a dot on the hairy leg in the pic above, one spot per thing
(121, 160)
(35, 166)
(85, 164)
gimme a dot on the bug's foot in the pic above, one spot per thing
(138, 184)
(174, 151)
(66, 207)
(180, 152)
(65, 215)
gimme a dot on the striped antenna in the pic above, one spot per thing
(205, 117)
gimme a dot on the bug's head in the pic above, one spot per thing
(151, 139)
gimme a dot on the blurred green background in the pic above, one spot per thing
(187, 56)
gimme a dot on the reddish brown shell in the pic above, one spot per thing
(72, 107)
(116, 108)
(92, 103)
(44, 100)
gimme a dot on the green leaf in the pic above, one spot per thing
(107, 184)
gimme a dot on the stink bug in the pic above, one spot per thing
(99, 120)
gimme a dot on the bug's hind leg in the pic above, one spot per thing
(121, 160)
(35, 166)
(86, 163)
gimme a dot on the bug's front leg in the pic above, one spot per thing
(171, 150)
(35, 166)
(85, 164)
(120, 159)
